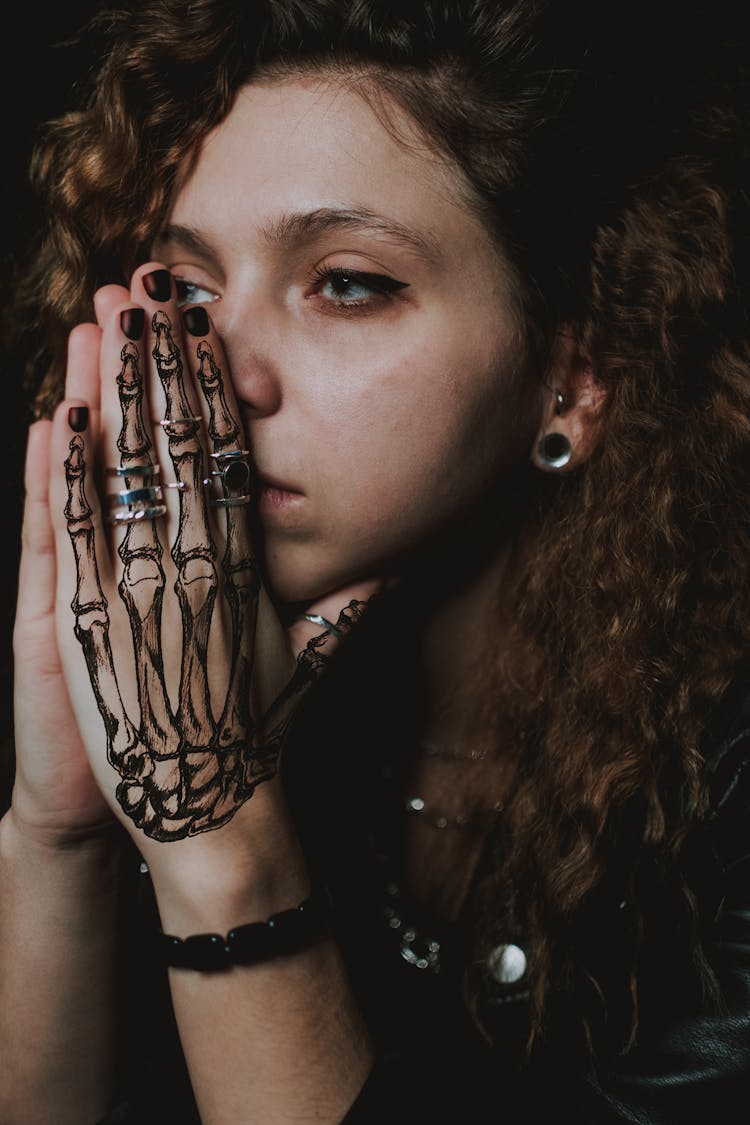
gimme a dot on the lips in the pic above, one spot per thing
(268, 483)
(275, 498)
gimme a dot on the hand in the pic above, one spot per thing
(182, 678)
(55, 795)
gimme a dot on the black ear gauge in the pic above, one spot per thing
(554, 451)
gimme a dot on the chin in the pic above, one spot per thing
(293, 585)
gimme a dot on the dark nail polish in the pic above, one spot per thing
(78, 418)
(196, 320)
(158, 285)
(132, 322)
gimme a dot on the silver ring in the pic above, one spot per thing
(229, 501)
(317, 619)
(146, 471)
(130, 515)
(234, 477)
(165, 423)
(233, 469)
(234, 473)
(134, 496)
(230, 454)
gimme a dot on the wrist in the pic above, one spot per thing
(77, 820)
(73, 885)
(291, 931)
(28, 839)
(250, 868)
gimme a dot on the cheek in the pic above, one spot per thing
(400, 447)
(423, 433)
(431, 403)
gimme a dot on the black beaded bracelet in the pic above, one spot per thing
(290, 931)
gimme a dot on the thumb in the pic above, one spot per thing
(329, 620)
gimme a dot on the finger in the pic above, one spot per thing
(193, 550)
(45, 723)
(314, 636)
(84, 595)
(175, 405)
(327, 623)
(37, 571)
(229, 477)
(82, 370)
(176, 402)
(229, 493)
(105, 300)
(135, 487)
(135, 506)
(226, 440)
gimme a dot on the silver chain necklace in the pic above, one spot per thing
(417, 947)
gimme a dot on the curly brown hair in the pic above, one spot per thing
(616, 194)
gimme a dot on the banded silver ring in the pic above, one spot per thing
(134, 496)
(131, 515)
(148, 472)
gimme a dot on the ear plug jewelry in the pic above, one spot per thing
(554, 451)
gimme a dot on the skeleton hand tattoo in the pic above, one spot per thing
(187, 770)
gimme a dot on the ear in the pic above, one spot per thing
(572, 407)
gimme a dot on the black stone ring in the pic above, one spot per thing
(232, 469)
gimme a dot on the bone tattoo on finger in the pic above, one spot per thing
(184, 769)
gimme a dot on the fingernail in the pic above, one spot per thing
(158, 285)
(78, 418)
(196, 320)
(132, 322)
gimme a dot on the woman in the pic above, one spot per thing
(453, 312)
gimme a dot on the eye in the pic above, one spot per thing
(188, 293)
(346, 288)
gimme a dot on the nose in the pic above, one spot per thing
(252, 347)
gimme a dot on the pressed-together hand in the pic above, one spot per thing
(55, 794)
(182, 678)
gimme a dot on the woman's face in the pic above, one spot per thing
(368, 323)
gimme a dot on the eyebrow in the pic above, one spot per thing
(291, 230)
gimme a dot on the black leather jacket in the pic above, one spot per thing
(691, 1061)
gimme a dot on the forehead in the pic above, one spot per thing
(303, 144)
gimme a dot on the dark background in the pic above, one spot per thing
(38, 81)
